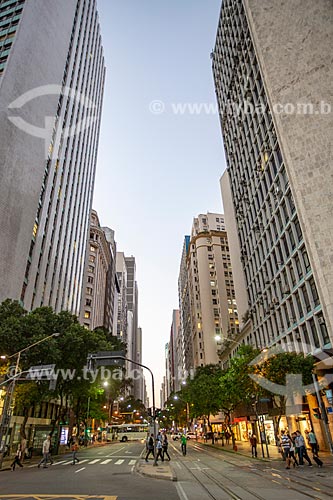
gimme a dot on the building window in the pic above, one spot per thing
(90, 279)
(89, 291)
(306, 299)
(92, 258)
(92, 248)
(314, 292)
(88, 302)
(87, 314)
(314, 332)
(306, 260)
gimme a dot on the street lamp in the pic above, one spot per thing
(93, 357)
(7, 406)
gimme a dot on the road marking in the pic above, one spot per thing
(116, 451)
(119, 462)
(106, 461)
(178, 465)
(39, 496)
(181, 493)
(55, 463)
(85, 460)
(131, 462)
(79, 470)
(94, 461)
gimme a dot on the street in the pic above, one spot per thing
(112, 472)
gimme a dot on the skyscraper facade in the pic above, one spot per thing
(212, 302)
(99, 277)
(272, 82)
(51, 91)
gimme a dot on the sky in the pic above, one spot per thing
(158, 167)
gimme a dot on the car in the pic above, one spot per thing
(191, 435)
(177, 436)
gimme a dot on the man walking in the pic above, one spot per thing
(75, 449)
(286, 445)
(184, 443)
(46, 453)
(312, 440)
(159, 449)
(253, 442)
(150, 447)
(165, 445)
(17, 459)
(300, 444)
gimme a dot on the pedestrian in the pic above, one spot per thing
(293, 452)
(254, 442)
(227, 437)
(165, 444)
(159, 449)
(286, 445)
(183, 441)
(312, 440)
(75, 449)
(46, 453)
(17, 459)
(150, 447)
(300, 443)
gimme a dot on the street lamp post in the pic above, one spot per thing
(100, 358)
(8, 402)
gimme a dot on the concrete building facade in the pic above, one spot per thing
(47, 182)
(279, 163)
(211, 295)
(99, 277)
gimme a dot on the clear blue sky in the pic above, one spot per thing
(156, 172)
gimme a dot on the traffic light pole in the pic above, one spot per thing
(100, 358)
(323, 413)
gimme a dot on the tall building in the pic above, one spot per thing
(51, 91)
(210, 288)
(99, 277)
(279, 161)
(185, 309)
(120, 324)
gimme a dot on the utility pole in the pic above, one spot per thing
(102, 357)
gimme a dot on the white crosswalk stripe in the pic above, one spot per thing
(88, 461)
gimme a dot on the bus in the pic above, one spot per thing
(128, 432)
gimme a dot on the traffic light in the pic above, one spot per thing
(150, 412)
(316, 413)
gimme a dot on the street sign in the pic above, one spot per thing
(108, 358)
(41, 372)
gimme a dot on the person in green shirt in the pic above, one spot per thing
(183, 441)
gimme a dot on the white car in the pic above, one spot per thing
(191, 435)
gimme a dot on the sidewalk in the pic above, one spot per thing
(244, 449)
(162, 470)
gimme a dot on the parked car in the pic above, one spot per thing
(191, 435)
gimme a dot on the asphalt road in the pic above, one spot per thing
(109, 473)
(106, 472)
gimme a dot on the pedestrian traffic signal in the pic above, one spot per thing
(316, 413)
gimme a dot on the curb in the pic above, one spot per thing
(153, 475)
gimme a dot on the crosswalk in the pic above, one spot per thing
(95, 461)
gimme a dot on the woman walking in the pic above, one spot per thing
(165, 445)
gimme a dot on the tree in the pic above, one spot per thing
(275, 370)
(236, 387)
(203, 392)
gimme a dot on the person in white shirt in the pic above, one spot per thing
(46, 453)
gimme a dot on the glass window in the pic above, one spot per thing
(299, 305)
(314, 332)
(314, 293)
(299, 267)
(306, 298)
(306, 260)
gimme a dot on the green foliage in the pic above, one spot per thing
(19, 329)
